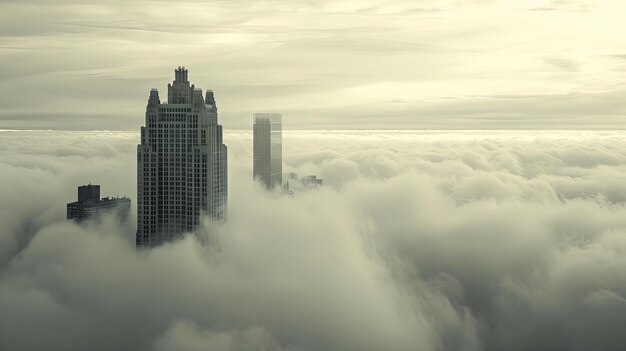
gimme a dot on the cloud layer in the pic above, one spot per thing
(427, 64)
(418, 241)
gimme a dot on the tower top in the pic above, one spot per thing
(180, 91)
(180, 75)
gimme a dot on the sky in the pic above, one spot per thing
(366, 64)
(425, 240)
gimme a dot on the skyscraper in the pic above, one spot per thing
(268, 149)
(181, 164)
(91, 206)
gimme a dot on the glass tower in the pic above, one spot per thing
(268, 149)
(181, 164)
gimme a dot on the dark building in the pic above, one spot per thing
(90, 192)
(182, 177)
(90, 205)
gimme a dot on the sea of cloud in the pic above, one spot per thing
(417, 241)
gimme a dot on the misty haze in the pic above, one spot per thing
(311, 176)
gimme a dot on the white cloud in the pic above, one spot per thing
(419, 240)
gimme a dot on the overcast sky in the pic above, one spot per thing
(348, 64)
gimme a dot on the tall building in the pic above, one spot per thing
(181, 164)
(268, 149)
(90, 205)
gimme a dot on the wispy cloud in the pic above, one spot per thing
(327, 51)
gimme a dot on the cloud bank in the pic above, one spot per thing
(418, 241)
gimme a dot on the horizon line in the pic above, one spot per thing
(348, 130)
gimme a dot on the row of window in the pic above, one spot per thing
(174, 109)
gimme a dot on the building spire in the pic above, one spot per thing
(180, 75)
(180, 91)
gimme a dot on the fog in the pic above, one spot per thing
(417, 241)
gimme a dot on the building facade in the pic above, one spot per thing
(181, 164)
(91, 206)
(267, 149)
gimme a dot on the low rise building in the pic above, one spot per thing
(90, 205)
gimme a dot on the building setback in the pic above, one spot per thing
(91, 206)
(181, 164)
(267, 149)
